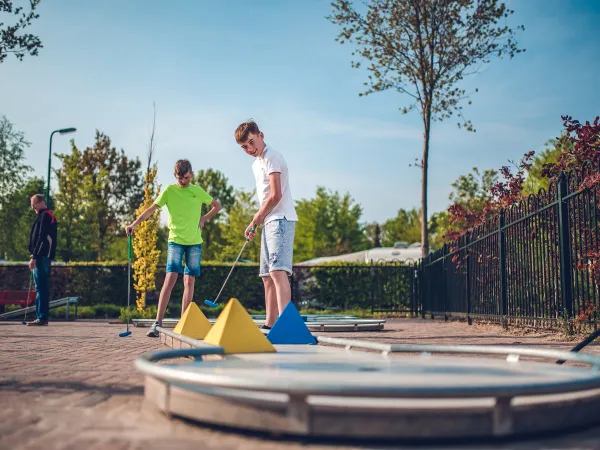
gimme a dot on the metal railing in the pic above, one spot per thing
(532, 262)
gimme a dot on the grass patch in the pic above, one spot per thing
(105, 311)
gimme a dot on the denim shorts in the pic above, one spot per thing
(193, 255)
(277, 246)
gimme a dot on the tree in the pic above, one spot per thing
(535, 178)
(479, 200)
(70, 198)
(240, 215)
(328, 225)
(145, 238)
(216, 184)
(471, 196)
(580, 144)
(474, 190)
(424, 49)
(405, 227)
(439, 224)
(16, 218)
(12, 40)
(13, 170)
(373, 234)
(107, 188)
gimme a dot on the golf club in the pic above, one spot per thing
(215, 303)
(24, 322)
(129, 251)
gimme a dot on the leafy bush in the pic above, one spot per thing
(87, 312)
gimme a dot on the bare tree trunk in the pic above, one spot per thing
(424, 167)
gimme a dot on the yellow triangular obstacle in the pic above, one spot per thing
(236, 332)
(193, 323)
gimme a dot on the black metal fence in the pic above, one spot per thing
(533, 262)
(389, 287)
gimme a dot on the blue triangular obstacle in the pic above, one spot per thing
(290, 328)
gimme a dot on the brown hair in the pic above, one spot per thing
(242, 132)
(182, 167)
(39, 198)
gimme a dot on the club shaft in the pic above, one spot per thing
(28, 291)
(232, 267)
(128, 289)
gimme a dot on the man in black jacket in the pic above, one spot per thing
(42, 249)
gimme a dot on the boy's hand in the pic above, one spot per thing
(129, 229)
(258, 219)
(249, 233)
(203, 221)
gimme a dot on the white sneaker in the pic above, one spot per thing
(153, 332)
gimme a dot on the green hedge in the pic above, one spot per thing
(336, 286)
(97, 284)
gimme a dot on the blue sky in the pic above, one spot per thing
(210, 65)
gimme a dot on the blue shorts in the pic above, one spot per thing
(193, 255)
(277, 246)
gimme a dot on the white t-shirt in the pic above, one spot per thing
(269, 162)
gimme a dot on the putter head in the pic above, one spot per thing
(211, 304)
(124, 333)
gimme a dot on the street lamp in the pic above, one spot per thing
(61, 131)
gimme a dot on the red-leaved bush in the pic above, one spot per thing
(508, 191)
(585, 140)
(504, 193)
(580, 152)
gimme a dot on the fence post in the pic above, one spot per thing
(293, 288)
(503, 304)
(296, 286)
(413, 291)
(429, 289)
(564, 236)
(445, 283)
(422, 287)
(467, 281)
(372, 288)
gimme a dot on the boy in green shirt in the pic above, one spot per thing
(184, 202)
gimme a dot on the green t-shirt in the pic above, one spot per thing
(184, 205)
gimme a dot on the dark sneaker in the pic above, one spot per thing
(38, 323)
(264, 327)
(153, 332)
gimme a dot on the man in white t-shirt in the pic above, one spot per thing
(277, 216)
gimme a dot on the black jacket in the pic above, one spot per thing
(42, 240)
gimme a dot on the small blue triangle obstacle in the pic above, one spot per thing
(290, 328)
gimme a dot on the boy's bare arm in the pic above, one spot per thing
(269, 203)
(216, 207)
(141, 218)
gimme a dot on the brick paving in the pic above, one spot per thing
(72, 385)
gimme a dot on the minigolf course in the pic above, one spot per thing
(193, 323)
(314, 322)
(390, 392)
(290, 328)
(236, 332)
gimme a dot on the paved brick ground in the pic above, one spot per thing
(73, 386)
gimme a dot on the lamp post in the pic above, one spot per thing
(61, 131)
